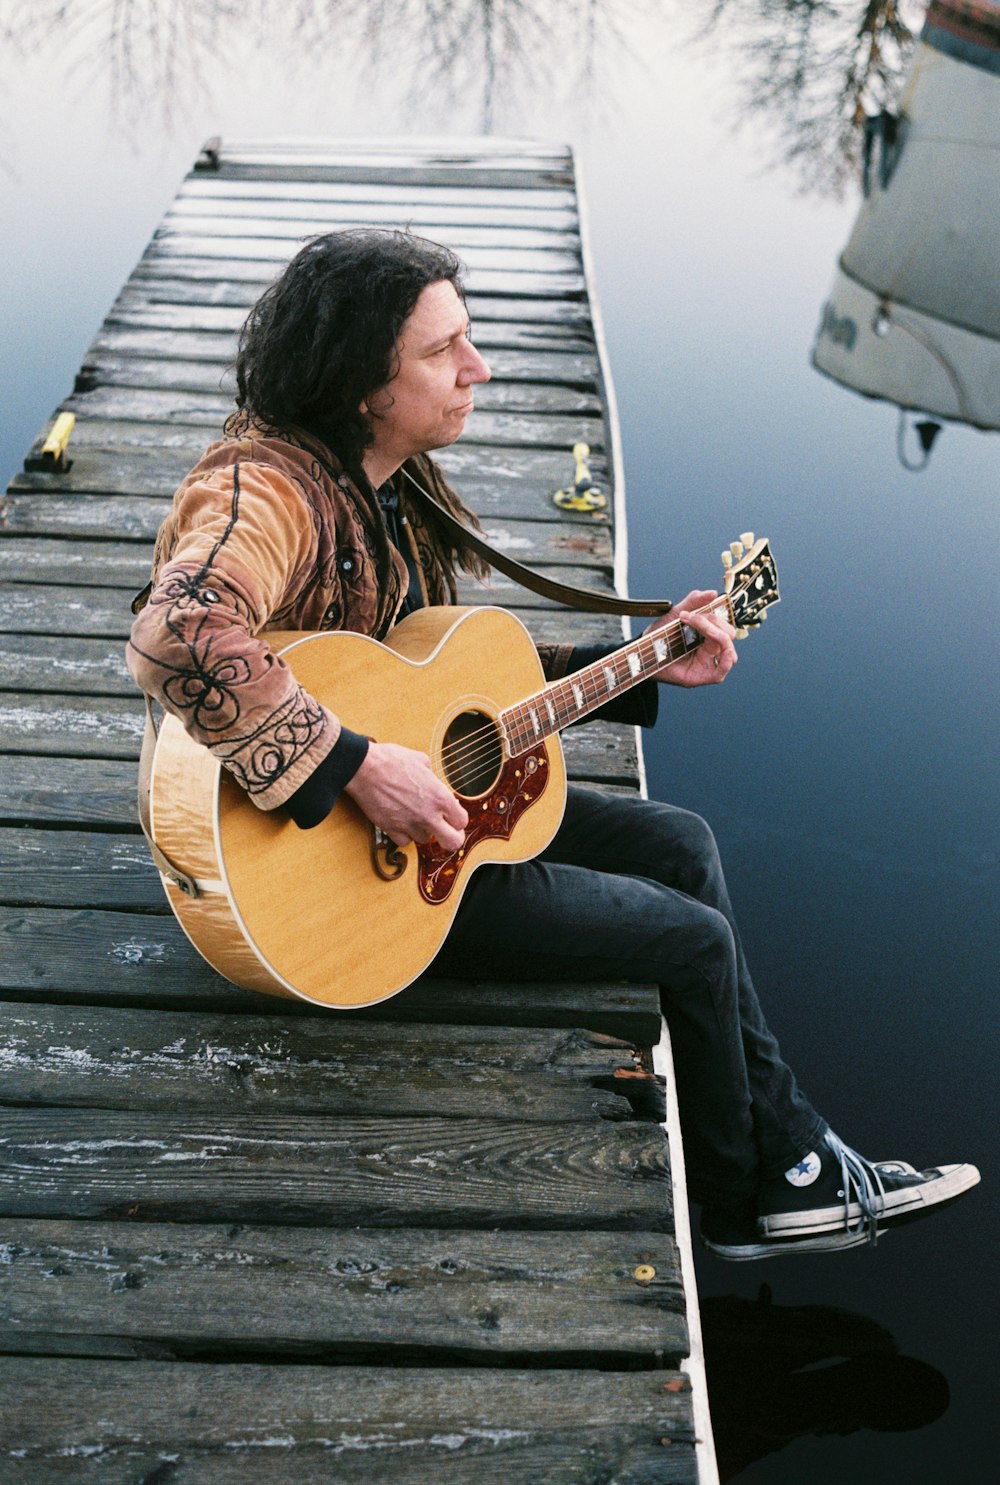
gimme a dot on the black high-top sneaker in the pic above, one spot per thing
(836, 1190)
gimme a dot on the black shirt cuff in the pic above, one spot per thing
(313, 800)
(637, 707)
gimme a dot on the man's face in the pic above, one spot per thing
(428, 400)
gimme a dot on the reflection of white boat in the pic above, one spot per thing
(914, 312)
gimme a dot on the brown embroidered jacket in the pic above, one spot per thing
(268, 532)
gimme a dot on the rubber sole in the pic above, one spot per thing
(785, 1247)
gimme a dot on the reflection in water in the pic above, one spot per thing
(500, 53)
(777, 1373)
(812, 67)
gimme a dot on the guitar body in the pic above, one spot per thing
(313, 913)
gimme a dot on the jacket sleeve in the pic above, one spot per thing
(638, 707)
(238, 542)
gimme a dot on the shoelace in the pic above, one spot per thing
(861, 1181)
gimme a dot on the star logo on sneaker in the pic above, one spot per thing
(806, 1171)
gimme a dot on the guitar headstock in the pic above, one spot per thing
(751, 580)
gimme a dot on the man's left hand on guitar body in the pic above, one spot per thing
(710, 662)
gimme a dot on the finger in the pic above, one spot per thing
(717, 634)
(455, 813)
(720, 649)
(698, 597)
(446, 837)
(450, 840)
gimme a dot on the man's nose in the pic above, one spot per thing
(475, 368)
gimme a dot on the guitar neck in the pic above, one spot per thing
(563, 702)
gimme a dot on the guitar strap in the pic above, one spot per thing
(579, 598)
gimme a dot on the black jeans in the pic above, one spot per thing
(631, 889)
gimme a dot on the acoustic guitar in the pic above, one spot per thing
(338, 915)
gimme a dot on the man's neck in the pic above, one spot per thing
(379, 467)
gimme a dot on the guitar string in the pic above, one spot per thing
(478, 745)
(591, 688)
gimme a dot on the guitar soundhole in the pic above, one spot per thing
(472, 754)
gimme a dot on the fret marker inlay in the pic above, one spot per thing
(660, 650)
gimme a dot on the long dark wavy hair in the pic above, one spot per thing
(323, 337)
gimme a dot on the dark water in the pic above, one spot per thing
(847, 765)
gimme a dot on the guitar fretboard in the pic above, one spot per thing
(563, 702)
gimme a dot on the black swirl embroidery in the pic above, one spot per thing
(259, 761)
(209, 691)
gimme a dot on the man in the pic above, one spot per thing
(352, 366)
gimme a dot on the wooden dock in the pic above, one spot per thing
(243, 1239)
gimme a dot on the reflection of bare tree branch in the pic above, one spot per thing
(488, 58)
(814, 69)
(810, 68)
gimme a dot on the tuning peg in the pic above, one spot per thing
(736, 547)
(762, 616)
(742, 633)
(727, 559)
(747, 538)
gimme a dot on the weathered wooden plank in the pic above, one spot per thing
(52, 608)
(204, 332)
(125, 565)
(123, 1059)
(94, 792)
(568, 390)
(198, 397)
(457, 227)
(122, 1422)
(263, 1167)
(145, 358)
(104, 727)
(73, 868)
(513, 283)
(118, 517)
(101, 467)
(545, 543)
(93, 957)
(404, 173)
(191, 1290)
(269, 252)
(569, 313)
(514, 483)
(45, 610)
(81, 562)
(121, 518)
(185, 416)
(490, 198)
(51, 664)
(461, 147)
(460, 152)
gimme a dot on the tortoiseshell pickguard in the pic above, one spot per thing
(491, 817)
